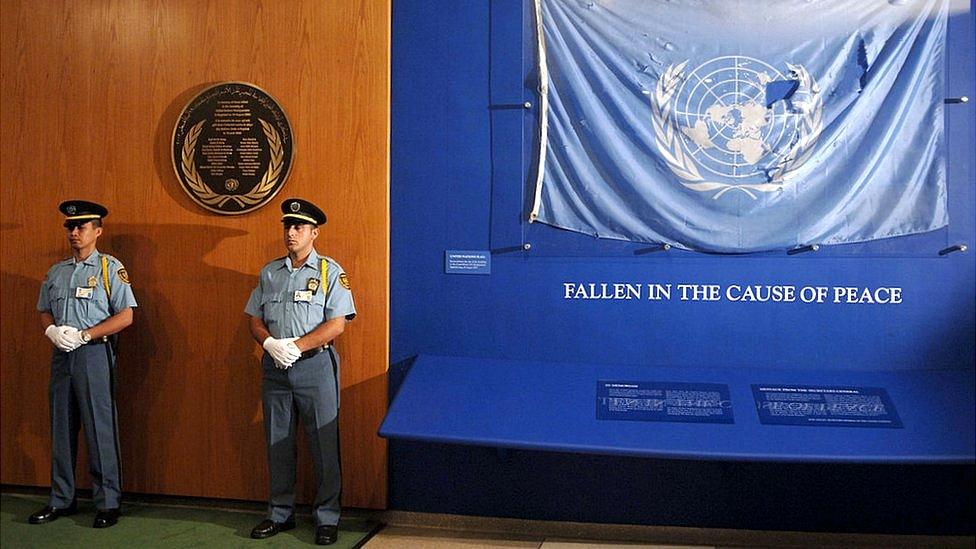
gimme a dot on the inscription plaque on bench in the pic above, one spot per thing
(663, 401)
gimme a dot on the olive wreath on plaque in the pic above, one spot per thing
(257, 194)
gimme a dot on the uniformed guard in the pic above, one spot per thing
(300, 305)
(84, 299)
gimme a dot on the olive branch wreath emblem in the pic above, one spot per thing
(683, 165)
(257, 194)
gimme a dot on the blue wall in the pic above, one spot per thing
(462, 172)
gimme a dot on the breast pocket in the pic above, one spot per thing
(57, 297)
(271, 310)
(312, 313)
(96, 307)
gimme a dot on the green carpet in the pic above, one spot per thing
(144, 525)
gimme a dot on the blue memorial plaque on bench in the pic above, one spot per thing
(831, 406)
(663, 401)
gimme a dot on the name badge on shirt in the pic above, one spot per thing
(302, 295)
(84, 293)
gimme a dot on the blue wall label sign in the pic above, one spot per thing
(470, 262)
(663, 401)
(825, 406)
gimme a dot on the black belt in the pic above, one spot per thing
(312, 352)
(99, 341)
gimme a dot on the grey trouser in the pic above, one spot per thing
(308, 389)
(82, 392)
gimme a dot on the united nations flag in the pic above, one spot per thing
(742, 126)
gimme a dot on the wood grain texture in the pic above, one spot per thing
(91, 91)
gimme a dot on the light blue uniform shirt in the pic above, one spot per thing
(287, 314)
(61, 297)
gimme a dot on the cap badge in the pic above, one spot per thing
(71, 210)
(295, 206)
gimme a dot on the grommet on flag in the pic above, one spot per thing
(803, 249)
(663, 247)
(953, 249)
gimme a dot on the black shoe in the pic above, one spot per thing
(105, 518)
(48, 513)
(268, 528)
(326, 535)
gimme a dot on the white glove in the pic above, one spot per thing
(60, 338)
(288, 344)
(283, 351)
(292, 348)
(73, 337)
(54, 335)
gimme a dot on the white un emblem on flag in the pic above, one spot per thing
(718, 129)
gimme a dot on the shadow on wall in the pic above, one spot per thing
(188, 379)
(26, 367)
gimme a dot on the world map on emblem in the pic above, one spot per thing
(731, 127)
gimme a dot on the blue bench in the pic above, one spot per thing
(552, 406)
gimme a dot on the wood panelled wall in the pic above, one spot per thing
(90, 93)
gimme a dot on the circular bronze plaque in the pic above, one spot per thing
(232, 148)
